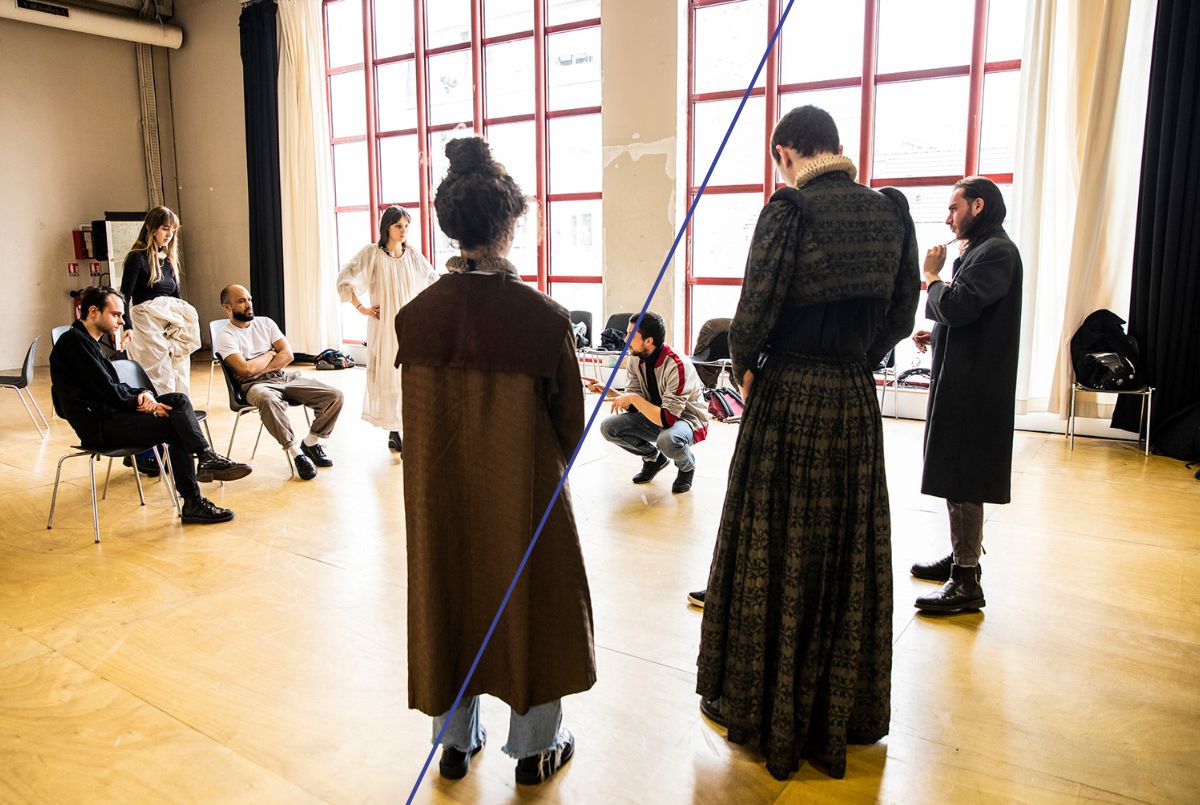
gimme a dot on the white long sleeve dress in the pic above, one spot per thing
(377, 278)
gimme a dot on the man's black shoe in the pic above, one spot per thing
(204, 512)
(395, 442)
(317, 454)
(683, 482)
(146, 466)
(218, 468)
(304, 467)
(539, 768)
(711, 708)
(455, 764)
(696, 599)
(936, 571)
(961, 592)
(650, 468)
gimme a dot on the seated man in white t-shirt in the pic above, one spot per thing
(256, 352)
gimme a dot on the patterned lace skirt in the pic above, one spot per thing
(796, 637)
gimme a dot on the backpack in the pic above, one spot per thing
(1106, 370)
(725, 404)
(1102, 353)
(333, 359)
(1179, 436)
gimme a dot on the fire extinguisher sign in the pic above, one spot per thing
(94, 268)
(72, 269)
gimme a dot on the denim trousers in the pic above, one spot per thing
(537, 731)
(637, 434)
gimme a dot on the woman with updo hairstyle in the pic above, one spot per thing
(495, 412)
(388, 273)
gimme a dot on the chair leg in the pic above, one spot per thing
(38, 408)
(167, 472)
(1071, 420)
(208, 433)
(95, 507)
(291, 464)
(30, 412)
(212, 368)
(1149, 402)
(107, 473)
(57, 477)
(254, 452)
(137, 477)
(233, 433)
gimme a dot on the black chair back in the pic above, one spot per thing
(584, 316)
(237, 399)
(131, 373)
(27, 368)
(619, 321)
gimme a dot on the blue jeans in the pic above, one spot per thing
(633, 432)
(537, 731)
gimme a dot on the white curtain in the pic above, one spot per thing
(305, 167)
(1085, 74)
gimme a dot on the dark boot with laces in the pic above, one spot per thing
(202, 511)
(213, 467)
(538, 768)
(961, 592)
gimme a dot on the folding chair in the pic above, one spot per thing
(240, 405)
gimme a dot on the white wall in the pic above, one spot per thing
(70, 148)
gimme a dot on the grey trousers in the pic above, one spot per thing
(271, 398)
(966, 532)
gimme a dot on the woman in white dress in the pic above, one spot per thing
(388, 274)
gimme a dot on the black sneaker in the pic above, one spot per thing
(455, 763)
(146, 466)
(650, 468)
(317, 454)
(696, 599)
(683, 482)
(218, 468)
(304, 467)
(539, 768)
(395, 442)
(204, 512)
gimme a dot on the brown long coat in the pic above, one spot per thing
(495, 408)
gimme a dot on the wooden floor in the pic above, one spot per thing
(264, 660)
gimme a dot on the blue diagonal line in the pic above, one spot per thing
(599, 404)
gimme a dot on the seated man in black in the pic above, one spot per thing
(108, 413)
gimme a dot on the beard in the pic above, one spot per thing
(244, 317)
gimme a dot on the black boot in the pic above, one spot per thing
(960, 593)
(938, 570)
(650, 468)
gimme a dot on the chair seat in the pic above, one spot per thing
(1131, 390)
(112, 452)
(13, 380)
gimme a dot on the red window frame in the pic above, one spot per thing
(869, 79)
(544, 277)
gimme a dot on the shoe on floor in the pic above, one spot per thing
(683, 482)
(455, 763)
(304, 467)
(541, 767)
(711, 708)
(395, 442)
(204, 512)
(961, 592)
(213, 467)
(696, 599)
(317, 454)
(938, 570)
(650, 468)
(146, 466)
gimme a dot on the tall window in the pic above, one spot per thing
(407, 76)
(924, 92)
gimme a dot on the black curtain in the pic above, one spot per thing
(1164, 307)
(260, 70)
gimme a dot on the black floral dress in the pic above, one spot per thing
(796, 636)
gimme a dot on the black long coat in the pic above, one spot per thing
(977, 330)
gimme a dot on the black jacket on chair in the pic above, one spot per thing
(84, 385)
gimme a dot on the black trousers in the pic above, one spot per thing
(179, 430)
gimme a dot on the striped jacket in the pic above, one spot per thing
(679, 392)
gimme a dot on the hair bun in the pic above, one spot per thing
(467, 154)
